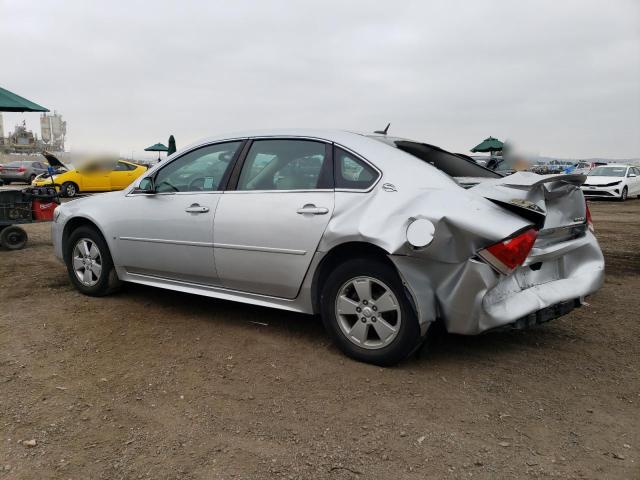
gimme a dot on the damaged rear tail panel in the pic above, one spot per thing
(564, 265)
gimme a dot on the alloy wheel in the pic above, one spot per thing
(368, 312)
(87, 262)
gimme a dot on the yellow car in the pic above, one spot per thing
(97, 177)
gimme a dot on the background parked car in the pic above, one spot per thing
(94, 177)
(612, 181)
(24, 171)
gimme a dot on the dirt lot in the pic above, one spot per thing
(156, 384)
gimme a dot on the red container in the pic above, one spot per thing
(43, 210)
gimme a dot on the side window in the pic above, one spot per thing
(197, 171)
(351, 172)
(285, 165)
(121, 167)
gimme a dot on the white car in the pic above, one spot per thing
(613, 181)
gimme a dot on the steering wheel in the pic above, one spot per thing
(197, 183)
(164, 182)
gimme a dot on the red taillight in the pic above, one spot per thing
(588, 215)
(22, 169)
(510, 253)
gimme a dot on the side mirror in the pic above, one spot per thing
(632, 175)
(145, 186)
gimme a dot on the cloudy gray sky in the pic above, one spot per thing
(557, 77)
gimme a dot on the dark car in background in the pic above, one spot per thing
(24, 171)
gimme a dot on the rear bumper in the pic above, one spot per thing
(471, 298)
(14, 177)
(546, 314)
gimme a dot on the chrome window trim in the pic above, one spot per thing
(202, 192)
(306, 190)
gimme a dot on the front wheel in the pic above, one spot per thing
(89, 263)
(624, 194)
(69, 189)
(365, 310)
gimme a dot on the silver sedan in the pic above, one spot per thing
(383, 237)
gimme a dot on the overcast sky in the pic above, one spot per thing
(556, 77)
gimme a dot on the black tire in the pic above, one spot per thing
(624, 194)
(13, 237)
(32, 178)
(107, 282)
(69, 189)
(407, 338)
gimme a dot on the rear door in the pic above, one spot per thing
(169, 234)
(269, 223)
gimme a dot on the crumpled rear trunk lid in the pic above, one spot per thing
(553, 203)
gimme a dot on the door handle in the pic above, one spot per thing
(195, 208)
(313, 210)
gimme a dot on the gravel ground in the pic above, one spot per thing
(156, 384)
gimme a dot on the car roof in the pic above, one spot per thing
(382, 154)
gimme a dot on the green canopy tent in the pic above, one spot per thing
(158, 147)
(10, 102)
(172, 146)
(490, 144)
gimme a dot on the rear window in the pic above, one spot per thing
(450, 163)
(15, 164)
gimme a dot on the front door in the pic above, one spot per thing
(268, 228)
(169, 234)
(95, 178)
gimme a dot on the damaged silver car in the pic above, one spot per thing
(383, 237)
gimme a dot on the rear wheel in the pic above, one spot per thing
(365, 310)
(69, 189)
(13, 237)
(89, 263)
(31, 179)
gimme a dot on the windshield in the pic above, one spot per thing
(608, 172)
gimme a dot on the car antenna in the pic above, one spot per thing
(383, 132)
